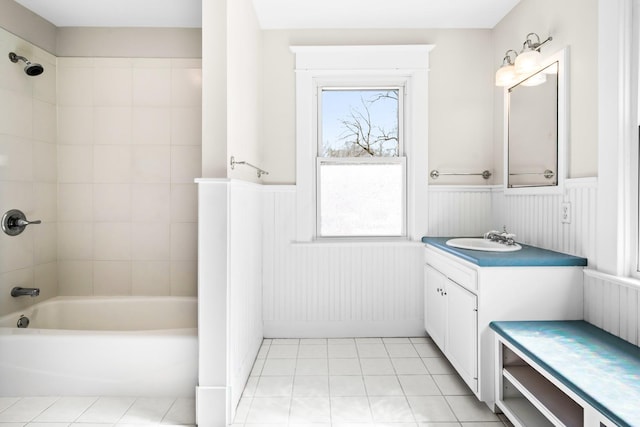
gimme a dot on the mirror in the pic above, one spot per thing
(534, 130)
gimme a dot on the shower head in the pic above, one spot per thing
(30, 69)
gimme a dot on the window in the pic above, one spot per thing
(361, 142)
(360, 167)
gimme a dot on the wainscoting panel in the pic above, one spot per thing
(229, 293)
(613, 304)
(537, 220)
(459, 210)
(336, 289)
(244, 282)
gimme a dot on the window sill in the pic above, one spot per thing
(346, 242)
(629, 282)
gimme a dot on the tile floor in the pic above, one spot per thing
(400, 382)
(361, 382)
(95, 412)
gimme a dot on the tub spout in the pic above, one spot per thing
(18, 291)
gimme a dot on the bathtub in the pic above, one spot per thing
(101, 346)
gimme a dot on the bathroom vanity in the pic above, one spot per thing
(467, 289)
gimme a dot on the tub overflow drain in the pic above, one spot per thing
(23, 321)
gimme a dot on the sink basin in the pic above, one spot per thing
(480, 244)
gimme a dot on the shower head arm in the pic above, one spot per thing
(15, 58)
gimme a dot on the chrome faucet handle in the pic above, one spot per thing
(14, 222)
(24, 222)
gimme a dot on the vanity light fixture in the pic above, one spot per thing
(506, 74)
(528, 60)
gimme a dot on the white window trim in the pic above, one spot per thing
(362, 63)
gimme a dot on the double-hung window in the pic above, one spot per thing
(360, 162)
(361, 142)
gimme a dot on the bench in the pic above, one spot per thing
(566, 373)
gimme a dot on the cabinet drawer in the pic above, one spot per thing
(461, 274)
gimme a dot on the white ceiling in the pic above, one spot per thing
(381, 13)
(273, 14)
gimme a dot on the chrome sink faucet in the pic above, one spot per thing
(501, 237)
(18, 291)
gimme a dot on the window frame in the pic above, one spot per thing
(401, 158)
(351, 66)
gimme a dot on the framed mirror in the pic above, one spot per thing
(535, 130)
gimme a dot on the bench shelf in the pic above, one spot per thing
(565, 374)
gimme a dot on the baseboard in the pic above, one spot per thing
(344, 329)
(211, 406)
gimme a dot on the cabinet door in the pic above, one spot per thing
(435, 305)
(462, 332)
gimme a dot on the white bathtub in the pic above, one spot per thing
(101, 346)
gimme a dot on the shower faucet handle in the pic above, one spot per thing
(23, 222)
(14, 222)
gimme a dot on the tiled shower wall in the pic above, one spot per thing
(27, 172)
(129, 148)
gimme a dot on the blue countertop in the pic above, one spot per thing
(601, 368)
(528, 256)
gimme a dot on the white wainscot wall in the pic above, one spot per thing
(534, 219)
(229, 294)
(613, 304)
(336, 290)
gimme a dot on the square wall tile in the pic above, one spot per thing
(151, 126)
(75, 202)
(112, 202)
(112, 86)
(75, 278)
(44, 124)
(45, 243)
(113, 125)
(151, 203)
(184, 278)
(16, 251)
(112, 164)
(75, 125)
(184, 203)
(150, 241)
(186, 86)
(186, 163)
(151, 278)
(75, 240)
(151, 87)
(186, 126)
(45, 277)
(184, 241)
(112, 278)
(45, 204)
(151, 164)
(19, 155)
(75, 163)
(16, 113)
(45, 162)
(112, 241)
(75, 85)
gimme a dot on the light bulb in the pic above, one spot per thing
(506, 75)
(528, 62)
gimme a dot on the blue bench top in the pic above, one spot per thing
(601, 368)
(528, 256)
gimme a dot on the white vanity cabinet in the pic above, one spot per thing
(462, 298)
(451, 319)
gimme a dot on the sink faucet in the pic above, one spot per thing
(18, 291)
(501, 237)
